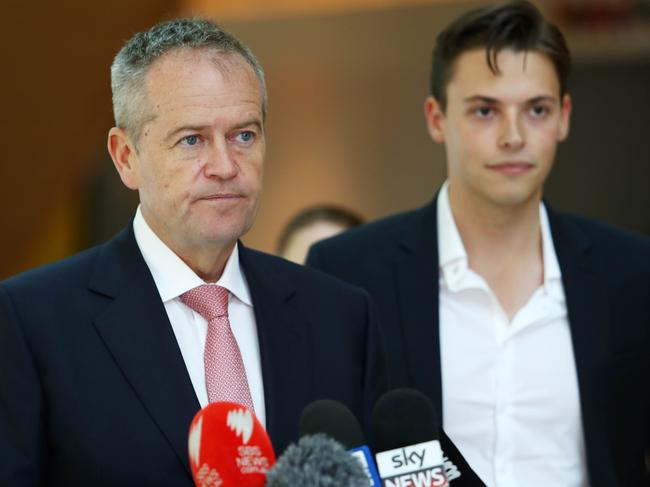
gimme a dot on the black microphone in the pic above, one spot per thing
(316, 461)
(339, 423)
(404, 423)
(332, 418)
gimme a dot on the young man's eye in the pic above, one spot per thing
(538, 111)
(484, 112)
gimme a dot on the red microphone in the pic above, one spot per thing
(228, 446)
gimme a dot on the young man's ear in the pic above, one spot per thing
(435, 118)
(124, 156)
(565, 121)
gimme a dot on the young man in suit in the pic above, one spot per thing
(529, 329)
(105, 357)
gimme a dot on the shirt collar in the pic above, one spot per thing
(552, 272)
(452, 256)
(174, 277)
(453, 259)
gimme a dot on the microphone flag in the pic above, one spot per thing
(228, 446)
(419, 465)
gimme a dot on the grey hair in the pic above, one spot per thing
(133, 61)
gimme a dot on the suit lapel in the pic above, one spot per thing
(416, 275)
(589, 322)
(284, 345)
(136, 330)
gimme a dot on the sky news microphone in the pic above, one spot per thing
(411, 448)
(339, 423)
(316, 461)
(228, 447)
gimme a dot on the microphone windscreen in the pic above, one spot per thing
(228, 446)
(403, 417)
(334, 419)
(317, 461)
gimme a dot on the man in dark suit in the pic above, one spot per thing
(105, 357)
(529, 329)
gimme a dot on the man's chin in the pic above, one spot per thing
(516, 199)
(222, 235)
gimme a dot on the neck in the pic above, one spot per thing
(206, 259)
(497, 235)
(208, 264)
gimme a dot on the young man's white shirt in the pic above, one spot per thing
(509, 388)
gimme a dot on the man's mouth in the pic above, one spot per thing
(222, 196)
(511, 168)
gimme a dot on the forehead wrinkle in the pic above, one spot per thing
(200, 111)
(175, 96)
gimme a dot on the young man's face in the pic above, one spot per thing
(500, 130)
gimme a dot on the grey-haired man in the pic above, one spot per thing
(105, 357)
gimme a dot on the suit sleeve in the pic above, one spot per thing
(21, 404)
(376, 382)
(647, 454)
(647, 379)
(647, 449)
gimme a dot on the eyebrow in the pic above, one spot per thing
(253, 121)
(494, 101)
(199, 128)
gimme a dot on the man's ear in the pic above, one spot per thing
(124, 156)
(565, 120)
(435, 119)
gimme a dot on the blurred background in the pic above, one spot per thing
(346, 81)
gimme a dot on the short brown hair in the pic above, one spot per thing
(517, 25)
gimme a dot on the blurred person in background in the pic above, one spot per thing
(528, 328)
(312, 225)
(106, 356)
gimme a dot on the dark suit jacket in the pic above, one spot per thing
(606, 278)
(93, 387)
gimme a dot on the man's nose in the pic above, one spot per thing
(512, 133)
(220, 161)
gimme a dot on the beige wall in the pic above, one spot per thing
(55, 114)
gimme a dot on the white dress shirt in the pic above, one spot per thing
(510, 391)
(173, 277)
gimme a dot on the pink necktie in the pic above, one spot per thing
(225, 376)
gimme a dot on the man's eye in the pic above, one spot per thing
(538, 111)
(190, 140)
(246, 136)
(484, 112)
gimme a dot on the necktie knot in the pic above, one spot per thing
(209, 301)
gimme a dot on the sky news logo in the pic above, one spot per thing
(420, 465)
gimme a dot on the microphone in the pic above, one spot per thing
(316, 461)
(332, 418)
(412, 448)
(337, 422)
(228, 446)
